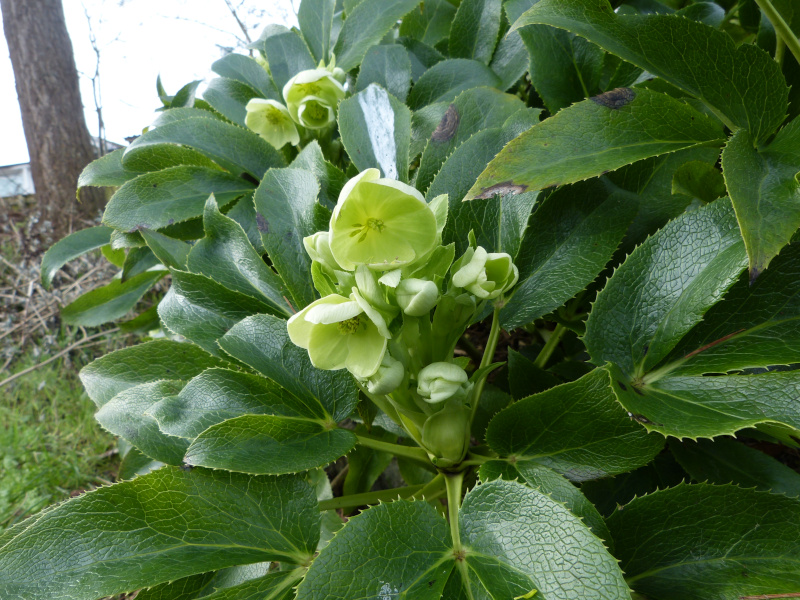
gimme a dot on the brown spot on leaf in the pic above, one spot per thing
(505, 187)
(262, 223)
(139, 227)
(447, 126)
(616, 98)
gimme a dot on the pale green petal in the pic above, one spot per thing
(439, 206)
(272, 121)
(391, 278)
(328, 348)
(333, 312)
(374, 316)
(315, 113)
(366, 349)
(299, 327)
(403, 188)
(470, 271)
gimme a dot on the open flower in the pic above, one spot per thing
(339, 333)
(312, 97)
(485, 274)
(272, 121)
(381, 223)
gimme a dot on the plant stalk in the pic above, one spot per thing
(432, 488)
(396, 449)
(550, 345)
(454, 483)
(782, 29)
(354, 500)
(488, 356)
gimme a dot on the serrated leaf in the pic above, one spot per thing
(653, 299)
(235, 148)
(742, 85)
(429, 23)
(389, 67)
(472, 111)
(554, 485)
(569, 240)
(286, 53)
(525, 378)
(445, 80)
(725, 460)
(695, 542)
(330, 178)
(155, 200)
(510, 60)
(364, 27)
(159, 527)
(244, 213)
(209, 584)
(184, 97)
(137, 261)
(202, 310)
(594, 136)
(70, 247)
(109, 302)
(171, 252)
(106, 171)
(423, 123)
(376, 131)
(764, 188)
(226, 256)
(117, 371)
(229, 98)
(699, 179)
(474, 31)
(263, 343)
(315, 18)
(124, 415)
(287, 211)
(266, 444)
(576, 428)
(134, 463)
(422, 56)
(246, 70)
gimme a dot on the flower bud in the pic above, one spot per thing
(440, 381)
(445, 435)
(319, 249)
(388, 377)
(485, 275)
(312, 97)
(272, 121)
(417, 297)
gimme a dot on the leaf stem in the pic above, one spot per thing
(488, 356)
(396, 449)
(783, 30)
(432, 488)
(780, 51)
(550, 346)
(454, 482)
(354, 500)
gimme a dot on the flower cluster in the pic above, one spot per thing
(381, 269)
(311, 99)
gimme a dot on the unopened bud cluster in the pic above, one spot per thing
(394, 305)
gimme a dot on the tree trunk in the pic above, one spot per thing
(52, 112)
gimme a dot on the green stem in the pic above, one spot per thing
(354, 500)
(430, 489)
(454, 483)
(780, 51)
(396, 449)
(550, 346)
(488, 356)
(781, 27)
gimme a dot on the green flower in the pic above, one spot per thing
(341, 332)
(312, 97)
(445, 435)
(484, 274)
(440, 381)
(381, 223)
(318, 248)
(417, 297)
(388, 377)
(272, 121)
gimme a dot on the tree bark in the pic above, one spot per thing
(59, 144)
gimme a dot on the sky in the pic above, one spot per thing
(138, 40)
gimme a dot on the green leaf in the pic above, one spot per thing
(124, 415)
(664, 287)
(765, 191)
(429, 23)
(226, 256)
(155, 200)
(594, 136)
(246, 582)
(330, 178)
(217, 395)
(171, 252)
(422, 57)
(117, 371)
(554, 485)
(695, 542)
(263, 343)
(246, 70)
(423, 123)
(510, 60)
(134, 463)
(742, 85)
(138, 261)
(569, 240)
(316, 19)
(699, 179)
(376, 131)
(70, 247)
(287, 211)
(109, 302)
(159, 527)
(229, 98)
(577, 429)
(244, 213)
(185, 96)
(474, 31)
(389, 67)
(445, 80)
(727, 461)
(518, 540)
(364, 27)
(105, 171)
(365, 465)
(235, 148)
(472, 111)
(163, 156)
(143, 323)
(202, 310)
(401, 547)
(286, 53)
(266, 444)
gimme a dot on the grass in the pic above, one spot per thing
(50, 444)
